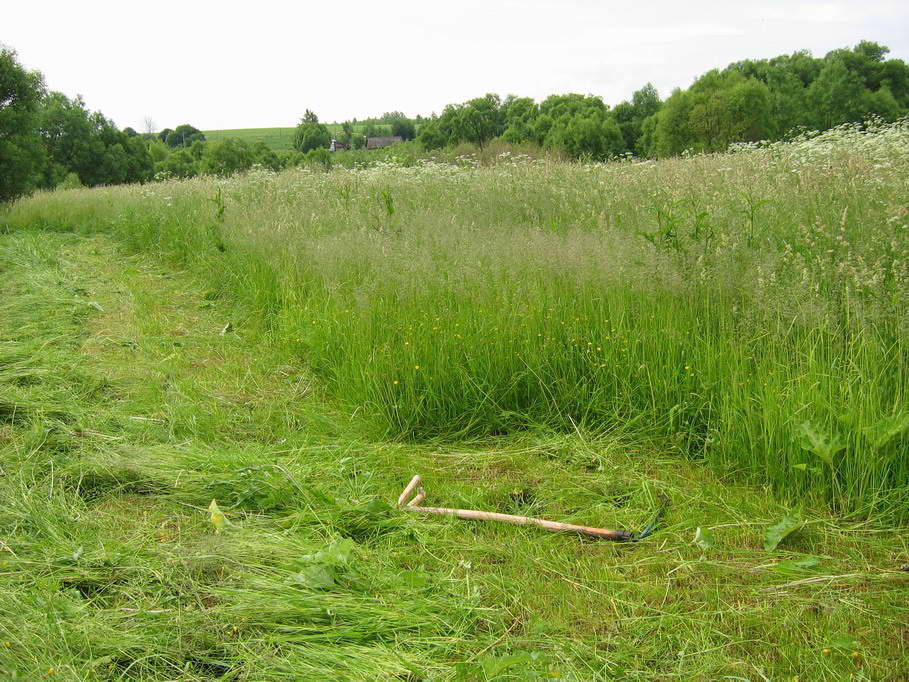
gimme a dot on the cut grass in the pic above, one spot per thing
(133, 413)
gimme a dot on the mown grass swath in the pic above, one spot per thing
(749, 307)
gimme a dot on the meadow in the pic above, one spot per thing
(723, 337)
(748, 307)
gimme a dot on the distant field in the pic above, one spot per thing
(278, 139)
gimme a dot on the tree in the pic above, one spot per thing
(226, 157)
(403, 127)
(197, 149)
(671, 132)
(89, 145)
(835, 96)
(734, 111)
(519, 113)
(644, 147)
(319, 157)
(630, 116)
(596, 138)
(183, 136)
(21, 153)
(310, 134)
(265, 157)
(158, 151)
(68, 136)
(479, 120)
(179, 164)
(431, 136)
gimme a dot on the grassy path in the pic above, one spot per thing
(124, 410)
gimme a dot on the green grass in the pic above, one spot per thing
(745, 309)
(277, 139)
(124, 411)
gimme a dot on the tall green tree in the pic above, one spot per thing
(183, 135)
(431, 136)
(730, 108)
(630, 116)
(835, 96)
(21, 151)
(310, 134)
(520, 114)
(88, 144)
(227, 157)
(403, 127)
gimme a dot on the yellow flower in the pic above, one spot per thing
(395, 382)
(416, 367)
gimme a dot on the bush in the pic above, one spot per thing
(226, 157)
(319, 157)
(71, 181)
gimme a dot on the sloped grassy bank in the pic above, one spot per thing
(748, 307)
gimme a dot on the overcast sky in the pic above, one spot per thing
(231, 64)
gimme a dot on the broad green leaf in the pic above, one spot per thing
(780, 531)
(886, 429)
(821, 444)
(805, 564)
(703, 538)
(341, 552)
(804, 467)
(317, 576)
(323, 568)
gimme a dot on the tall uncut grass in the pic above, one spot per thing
(749, 306)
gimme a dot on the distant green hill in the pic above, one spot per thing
(277, 139)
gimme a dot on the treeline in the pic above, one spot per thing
(48, 140)
(747, 101)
